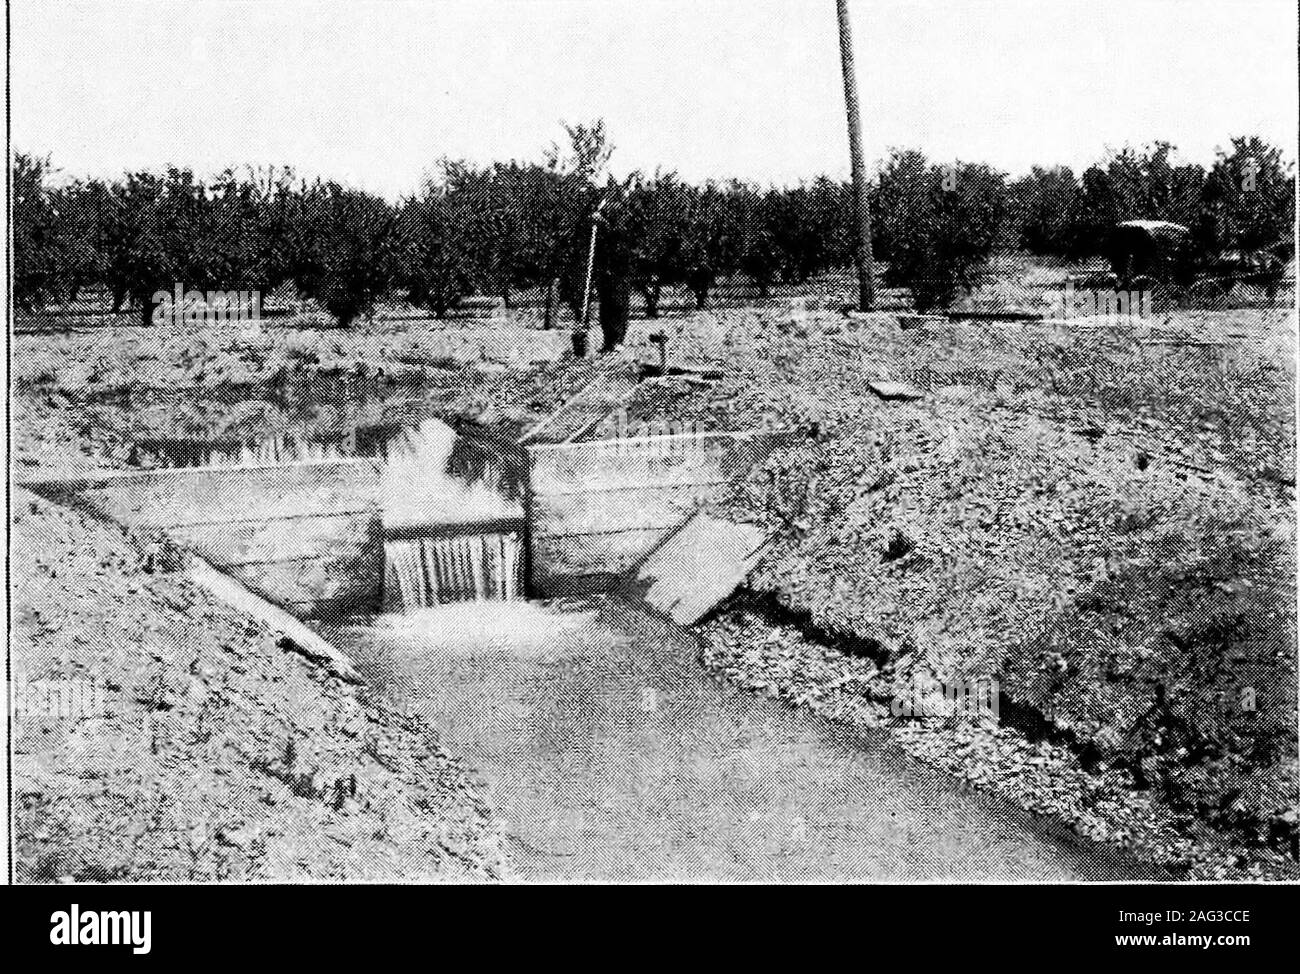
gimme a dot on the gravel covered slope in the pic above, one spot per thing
(1102, 519)
(213, 753)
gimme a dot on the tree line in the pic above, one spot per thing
(508, 227)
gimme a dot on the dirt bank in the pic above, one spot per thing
(203, 747)
(1099, 517)
(783, 660)
(211, 752)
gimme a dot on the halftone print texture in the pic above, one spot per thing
(569, 519)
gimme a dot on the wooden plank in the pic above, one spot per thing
(409, 532)
(281, 539)
(591, 403)
(303, 639)
(161, 499)
(596, 509)
(590, 474)
(83, 480)
(367, 511)
(698, 566)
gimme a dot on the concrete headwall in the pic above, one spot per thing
(596, 509)
(306, 536)
(309, 536)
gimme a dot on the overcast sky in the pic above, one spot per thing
(373, 93)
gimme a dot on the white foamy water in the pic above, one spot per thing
(520, 627)
(419, 491)
(469, 568)
(417, 488)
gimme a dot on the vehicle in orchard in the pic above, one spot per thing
(1161, 257)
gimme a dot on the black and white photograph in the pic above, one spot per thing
(549, 442)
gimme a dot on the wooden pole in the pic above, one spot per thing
(591, 265)
(861, 211)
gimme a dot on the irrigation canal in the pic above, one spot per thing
(607, 748)
(613, 756)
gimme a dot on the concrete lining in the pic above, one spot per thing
(309, 536)
(596, 509)
(305, 536)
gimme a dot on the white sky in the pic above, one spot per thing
(373, 93)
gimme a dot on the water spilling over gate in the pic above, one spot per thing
(452, 519)
(424, 572)
(393, 516)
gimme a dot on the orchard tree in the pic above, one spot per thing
(433, 249)
(1148, 186)
(271, 201)
(1040, 207)
(348, 249)
(541, 207)
(83, 209)
(154, 233)
(132, 257)
(756, 216)
(1094, 214)
(40, 255)
(810, 227)
(491, 204)
(654, 216)
(183, 237)
(709, 239)
(232, 251)
(940, 224)
(1248, 201)
(1134, 184)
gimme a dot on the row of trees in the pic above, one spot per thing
(1245, 201)
(498, 229)
(515, 226)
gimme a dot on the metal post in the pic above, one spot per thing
(861, 212)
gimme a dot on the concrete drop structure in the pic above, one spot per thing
(315, 538)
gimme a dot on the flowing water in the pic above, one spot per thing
(433, 480)
(423, 572)
(251, 452)
(612, 755)
(437, 485)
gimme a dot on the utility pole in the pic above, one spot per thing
(861, 212)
